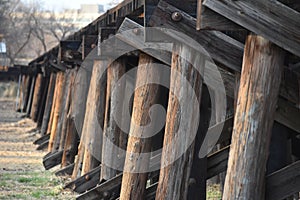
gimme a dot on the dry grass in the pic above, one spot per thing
(22, 175)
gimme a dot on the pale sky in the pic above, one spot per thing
(61, 4)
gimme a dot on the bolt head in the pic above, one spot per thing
(176, 16)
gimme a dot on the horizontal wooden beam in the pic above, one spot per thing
(218, 45)
(85, 182)
(42, 139)
(52, 159)
(270, 19)
(65, 171)
(283, 183)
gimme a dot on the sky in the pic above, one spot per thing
(58, 5)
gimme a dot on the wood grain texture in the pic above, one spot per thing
(284, 182)
(134, 182)
(57, 110)
(49, 102)
(218, 45)
(174, 177)
(257, 99)
(270, 19)
(112, 134)
(36, 97)
(94, 117)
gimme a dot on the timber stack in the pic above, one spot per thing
(223, 73)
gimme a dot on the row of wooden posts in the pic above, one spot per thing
(69, 106)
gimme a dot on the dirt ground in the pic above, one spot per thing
(22, 175)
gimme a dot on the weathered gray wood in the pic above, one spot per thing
(94, 120)
(217, 162)
(220, 47)
(52, 159)
(210, 20)
(288, 91)
(86, 181)
(112, 134)
(65, 171)
(42, 139)
(174, 177)
(53, 144)
(36, 96)
(271, 19)
(283, 183)
(254, 117)
(30, 96)
(49, 103)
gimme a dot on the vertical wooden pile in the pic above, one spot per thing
(257, 98)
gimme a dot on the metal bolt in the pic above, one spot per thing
(136, 31)
(176, 16)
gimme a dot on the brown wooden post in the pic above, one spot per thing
(42, 101)
(134, 184)
(57, 80)
(63, 111)
(76, 117)
(49, 102)
(30, 95)
(111, 131)
(57, 109)
(89, 149)
(257, 99)
(26, 85)
(68, 103)
(36, 97)
(174, 178)
(95, 120)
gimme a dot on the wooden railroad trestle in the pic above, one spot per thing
(256, 47)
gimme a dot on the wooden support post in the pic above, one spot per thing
(93, 121)
(42, 101)
(134, 184)
(254, 117)
(112, 132)
(26, 83)
(174, 178)
(30, 96)
(62, 113)
(66, 109)
(49, 102)
(76, 117)
(57, 109)
(36, 97)
(197, 180)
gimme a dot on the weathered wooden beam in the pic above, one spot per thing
(57, 110)
(109, 189)
(44, 145)
(257, 99)
(174, 177)
(260, 17)
(136, 163)
(210, 20)
(42, 139)
(217, 162)
(66, 108)
(65, 171)
(287, 91)
(52, 159)
(112, 134)
(30, 95)
(86, 181)
(43, 101)
(220, 47)
(48, 105)
(94, 120)
(284, 182)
